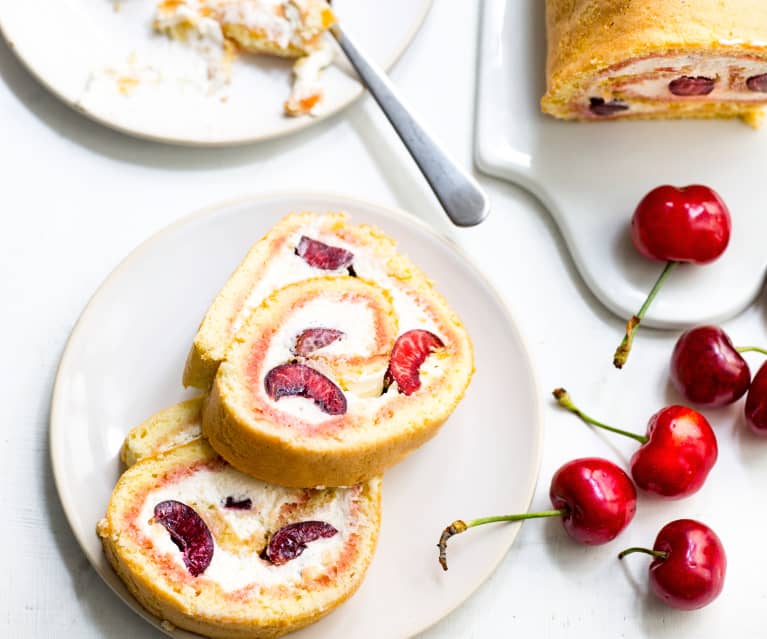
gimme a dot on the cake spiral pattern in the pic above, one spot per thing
(342, 413)
(610, 59)
(211, 550)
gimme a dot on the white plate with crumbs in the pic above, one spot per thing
(123, 363)
(103, 58)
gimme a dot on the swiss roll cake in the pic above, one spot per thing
(211, 550)
(333, 379)
(301, 246)
(613, 59)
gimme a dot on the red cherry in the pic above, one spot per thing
(671, 224)
(687, 224)
(595, 499)
(677, 452)
(681, 450)
(707, 369)
(756, 403)
(689, 564)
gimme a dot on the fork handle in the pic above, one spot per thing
(458, 192)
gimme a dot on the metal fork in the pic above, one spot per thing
(462, 198)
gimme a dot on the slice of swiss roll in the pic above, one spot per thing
(332, 380)
(211, 550)
(610, 59)
(300, 247)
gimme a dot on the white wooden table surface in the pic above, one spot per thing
(76, 198)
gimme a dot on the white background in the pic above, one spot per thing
(77, 197)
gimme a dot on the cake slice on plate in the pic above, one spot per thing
(211, 550)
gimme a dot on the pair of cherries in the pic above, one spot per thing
(596, 500)
(710, 371)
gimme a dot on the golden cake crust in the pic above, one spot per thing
(586, 37)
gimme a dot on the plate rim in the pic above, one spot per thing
(302, 123)
(56, 428)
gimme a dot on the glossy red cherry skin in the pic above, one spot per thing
(706, 368)
(681, 451)
(692, 575)
(599, 497)
(687, 224)
(756, 403)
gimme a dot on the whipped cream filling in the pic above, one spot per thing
(278, 20)
(278, 23)
(182, 434)
(206, 490)
(285, 267)
(648, 79)
(307, 77)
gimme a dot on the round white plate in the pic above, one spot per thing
(69, 44)
(124, 360)
(592, 175)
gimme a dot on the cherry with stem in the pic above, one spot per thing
(594, 498)
(672, 225)
(689, 564)
(676, 454)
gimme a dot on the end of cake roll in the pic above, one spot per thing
(651, 59)
(171, 427)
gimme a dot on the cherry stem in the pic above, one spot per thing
(564, 400)
(460, 526)
(658, 554)
(622, 352)
(755, 349)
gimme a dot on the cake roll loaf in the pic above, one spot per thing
(300, 247)
(612, 59)
(208, 549)
(332, 380)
